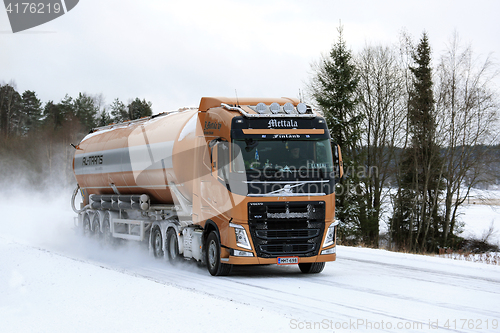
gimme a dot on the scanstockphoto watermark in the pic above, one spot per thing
(356, 324)
(311, 169)
(365, 324)
(25, 14)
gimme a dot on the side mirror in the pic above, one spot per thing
(339, 165)
(212, 143)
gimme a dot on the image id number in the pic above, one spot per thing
(33, 8)
(471, 324)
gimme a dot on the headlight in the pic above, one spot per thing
(329, 251)
(330, 234)
(241, 236)
(238, 253)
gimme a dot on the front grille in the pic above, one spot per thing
(286, 234)
(286, 228)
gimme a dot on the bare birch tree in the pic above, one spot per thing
(382, 101)
(467, 125)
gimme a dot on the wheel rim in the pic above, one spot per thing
(157, 243)
(212, 251)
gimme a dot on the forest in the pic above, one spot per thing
(36, 137)
(417, 134)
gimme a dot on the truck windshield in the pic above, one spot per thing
(290, 155)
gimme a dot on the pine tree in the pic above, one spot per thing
(334, 89)
(31, 108)
(104, 118)
(10, 105)
(67, 107)
(53, 115)
(119, 112)
(417, 215)
(138, 109)
(86, 111)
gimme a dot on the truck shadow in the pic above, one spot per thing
(265, 271)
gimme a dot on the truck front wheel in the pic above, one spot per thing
(215, 267)
(311, 267)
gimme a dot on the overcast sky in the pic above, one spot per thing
(174, 52)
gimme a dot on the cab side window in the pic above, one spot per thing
(223, 160)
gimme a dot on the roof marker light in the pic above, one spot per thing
(302, 108)
(275, 108)
(261, 108)
(288, 107)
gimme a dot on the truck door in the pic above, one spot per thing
(219, 193)
(223, 162)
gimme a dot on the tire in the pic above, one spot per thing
(157, 243)
(312, 267)
(172, 246)
(85, 228)
(96, 226)
(107, 238)
(215, 267)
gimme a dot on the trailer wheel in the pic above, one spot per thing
(85, 224)
(157, 243)
(96, 232)
(311, 267)
(215, 267)
(172, 246)
(106, 230)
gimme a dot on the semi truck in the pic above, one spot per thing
(235, 181)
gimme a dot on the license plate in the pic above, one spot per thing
(288, 260)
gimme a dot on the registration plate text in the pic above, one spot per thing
(288, 260)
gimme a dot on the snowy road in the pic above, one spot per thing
(364, 289)
(363, 285)
(52, 280)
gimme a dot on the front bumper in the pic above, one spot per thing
(233, 260)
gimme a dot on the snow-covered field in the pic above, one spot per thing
(54, 281)
(478, 213)
(478, 217)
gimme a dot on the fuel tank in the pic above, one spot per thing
(147, 156)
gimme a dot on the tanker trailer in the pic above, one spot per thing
(232, 182)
